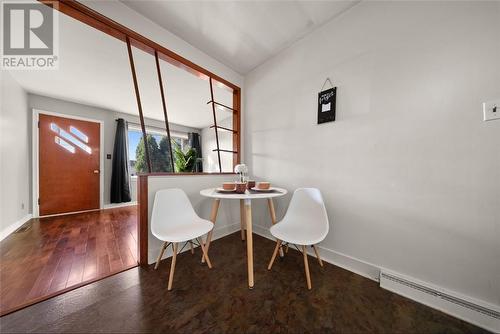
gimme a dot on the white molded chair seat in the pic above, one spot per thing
(298, 232)
(174, 220)
(182, 233)
(305, 224)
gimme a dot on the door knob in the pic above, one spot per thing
(96, 171)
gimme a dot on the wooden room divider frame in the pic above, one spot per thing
(102, 23)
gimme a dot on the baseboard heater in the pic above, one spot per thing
(439, 294)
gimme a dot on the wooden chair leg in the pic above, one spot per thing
(191, 246)
(272, 213)
(242, 219)
(213, 217)
(286, 249)
(172, 267)
(205, 254)
(306, 265)
(278, 246)
(317, 255)
(163, 247)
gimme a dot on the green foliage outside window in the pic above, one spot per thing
(158, 152)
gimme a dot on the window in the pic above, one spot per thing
(159, 149)
(69, 138)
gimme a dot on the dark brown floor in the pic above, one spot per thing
(218, 300)
(55, 254)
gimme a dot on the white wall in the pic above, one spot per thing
(15, 142)
(228, 217)
(409, 171)
(208, 144)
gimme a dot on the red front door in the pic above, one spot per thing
(69, 165)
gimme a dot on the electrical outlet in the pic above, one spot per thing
(491, 110)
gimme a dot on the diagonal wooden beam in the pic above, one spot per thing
(139, 105)
(215, 124)
(164, 104)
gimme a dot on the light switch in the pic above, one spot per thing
(491, 110)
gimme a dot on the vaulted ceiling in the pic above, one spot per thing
(240, 34)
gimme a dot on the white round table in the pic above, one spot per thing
(245, 216)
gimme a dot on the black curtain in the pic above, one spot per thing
(120, 188)
(194, 142)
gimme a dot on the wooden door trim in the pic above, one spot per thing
(35, 156)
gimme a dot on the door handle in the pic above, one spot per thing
(96, 171)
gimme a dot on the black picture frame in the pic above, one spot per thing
(326, 105)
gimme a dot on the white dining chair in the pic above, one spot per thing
(305, 224)
(174, 221)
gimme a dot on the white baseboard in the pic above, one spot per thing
(219, 232)
(372, 272)
(346, 262)
(12, 227)
(119, 205)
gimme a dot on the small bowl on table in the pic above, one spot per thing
(263, 185)
(241, 187)
(229, 186)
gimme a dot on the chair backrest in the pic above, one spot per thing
(307, 206)
(172, 207)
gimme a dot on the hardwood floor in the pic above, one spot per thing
(219, 301)
(56, 254)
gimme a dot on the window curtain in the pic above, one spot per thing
(195, 142)
(120, 187)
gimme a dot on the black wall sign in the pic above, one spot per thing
(326, 105)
